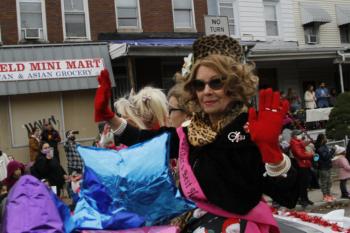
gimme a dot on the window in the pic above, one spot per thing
(271, 18)
(212, 7)
(31, 15)
(75, 19)
(311, 32)
(127, 14)
(227, 8)
(344, 33)
(183, 14)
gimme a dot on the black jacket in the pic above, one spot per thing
(325, 160)
(229, 173)
(48, 169)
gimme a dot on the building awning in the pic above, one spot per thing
(151, 47)
(314, 14)
(27, 54)
(259, 53)
(176, 47)
(343, 14)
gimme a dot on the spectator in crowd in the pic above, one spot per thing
(4, 160)
(178, 111)
(47, 168)
(34, 144)
(3, 199)
(341, 161)
(286, 134)
(3, 192)
(332, 97)
(310, 98)
(322, 95)
(303, 158)
(107, 138)
(294, 100)
(15, 170)
(324, 166)
(75, 162)
(52, 137)
(100, 127)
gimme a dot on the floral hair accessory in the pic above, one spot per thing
(186, 68)
(145, 98)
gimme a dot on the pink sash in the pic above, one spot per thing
(259, 219)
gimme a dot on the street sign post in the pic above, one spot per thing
(217, 25)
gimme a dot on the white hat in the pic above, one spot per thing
(339, 149)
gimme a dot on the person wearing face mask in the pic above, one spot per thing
(47, 168)
(52, 137)
(303, 158)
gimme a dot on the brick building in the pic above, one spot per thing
(141, 42)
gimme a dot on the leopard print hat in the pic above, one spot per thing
(217, 44)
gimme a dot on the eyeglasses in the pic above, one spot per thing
(215, 84)
(174, 109)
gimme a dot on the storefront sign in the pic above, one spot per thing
(217, 25)
(50, 69)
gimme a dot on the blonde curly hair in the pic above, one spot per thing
(145, 109)
(240, 82)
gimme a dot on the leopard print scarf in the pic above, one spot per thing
(201, 132)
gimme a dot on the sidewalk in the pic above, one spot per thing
(319, 205)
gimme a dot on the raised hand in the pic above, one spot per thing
(265, 127)
(103, 112)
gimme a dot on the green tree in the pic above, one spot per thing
(338, 124)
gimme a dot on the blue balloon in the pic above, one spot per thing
(135, 183)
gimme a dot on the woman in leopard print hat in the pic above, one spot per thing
(228, 156)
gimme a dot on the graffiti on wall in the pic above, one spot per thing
(30, 126)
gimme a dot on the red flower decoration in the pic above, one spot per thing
(305, 217)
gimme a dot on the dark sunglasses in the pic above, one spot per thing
(175, 109)
(215, 84)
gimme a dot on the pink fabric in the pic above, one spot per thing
(260, 219)
(157, 229)
(121, 146)
(344, 167)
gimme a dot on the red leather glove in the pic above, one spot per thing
(103, 112)
(266, 127)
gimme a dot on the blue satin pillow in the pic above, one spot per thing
(134, 183)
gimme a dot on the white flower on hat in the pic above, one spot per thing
(186, 68)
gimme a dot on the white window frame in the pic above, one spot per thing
(316, 29)
(190, 29)
(87, 24)
(235, 15)
(43, 16)
(276, 4)
(138, 28)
